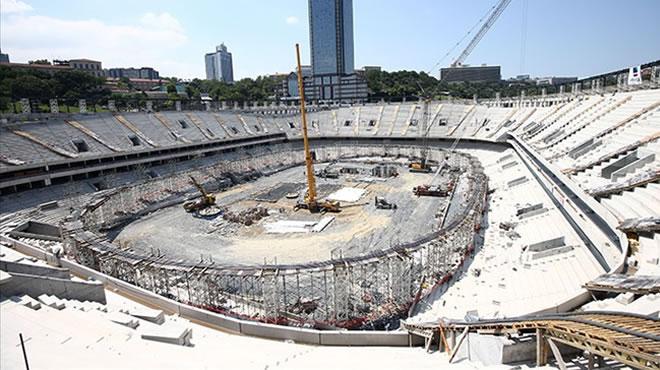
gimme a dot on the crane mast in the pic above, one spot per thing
(310, 198)
(482, 31)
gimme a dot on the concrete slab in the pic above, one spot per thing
(289, 226)
(347, 194)
(5, 277)
(321, 225)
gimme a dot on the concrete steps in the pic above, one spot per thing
(27, 301)
(51, 301)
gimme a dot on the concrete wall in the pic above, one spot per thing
(34, 286)
(24, 268)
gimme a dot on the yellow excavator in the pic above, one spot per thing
(310, 202)
(205, 201)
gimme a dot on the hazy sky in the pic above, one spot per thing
(563, 37)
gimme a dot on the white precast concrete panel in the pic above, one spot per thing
(347, 194)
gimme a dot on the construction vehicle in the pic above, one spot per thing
(327, 174)
(382, 203)
(422, 165)
(205, 201)
(309, 201)
(430, 191)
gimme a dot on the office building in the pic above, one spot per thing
(332, 55)
(466, 73)
(4, 58)
(92, 67)
(219, 65)
(146, 73)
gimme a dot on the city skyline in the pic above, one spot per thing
(170, 36)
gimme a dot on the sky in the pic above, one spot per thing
(561, 37)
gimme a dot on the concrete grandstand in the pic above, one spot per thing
(549, 196)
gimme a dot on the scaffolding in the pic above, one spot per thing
(368, 292)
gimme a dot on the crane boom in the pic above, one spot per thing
(199, 187)
(482, 31)
(310, 199)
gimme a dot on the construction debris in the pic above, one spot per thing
(246, 217)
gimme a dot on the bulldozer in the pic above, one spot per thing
(205, 201)
(420, 166)
(382, 203)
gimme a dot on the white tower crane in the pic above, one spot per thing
(497, 11)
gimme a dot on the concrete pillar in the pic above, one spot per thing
(561, 89)
(223, 105)
(541, 349)
(82, 106)
(177, 105)
(150, 106)
(111, 106)
(54, 106)
(474, 98)
(498, 98)
(590, 360)
(235, 105)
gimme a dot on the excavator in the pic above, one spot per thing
(310, 202)
(205, 201)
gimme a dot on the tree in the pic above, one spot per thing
(40, 61)
(171, 88)
(409, 84)
(17, 83)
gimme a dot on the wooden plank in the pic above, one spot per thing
(458, 345)
(557, 354)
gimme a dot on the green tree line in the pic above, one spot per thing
(245, 90)
(412, 84)
(70, 86)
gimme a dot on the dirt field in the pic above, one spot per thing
(358, 229)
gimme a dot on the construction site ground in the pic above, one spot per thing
(358, 229)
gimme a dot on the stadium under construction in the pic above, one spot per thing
(430, 222)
